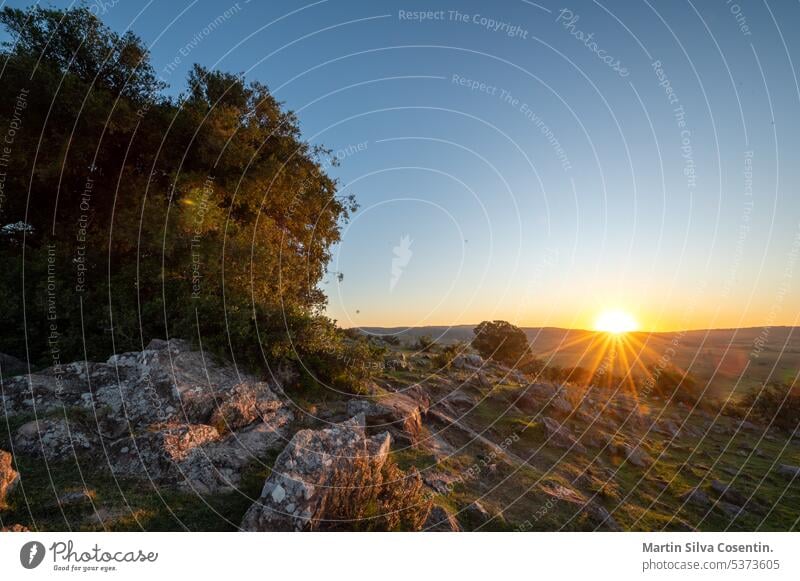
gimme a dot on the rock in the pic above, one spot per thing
(400, 413)
(729, 508)
(726, 492)
(600, 515)
(459, 400)
(538, 396)
(441, 520)
(559, 436)
(8, 477)
(165, 382)
(159, 454)
(196, 423)
(789, 471)
(438, 447)
(218, 466)
(197, 457)
(244, 404)
(476, 514)
(76, 498)
(45, 391)
(55, 439)
(105, 516)
(440, 482)
(667, 427)
(696, 497)
(634, 454)
(309, 471)
(483, 381)
(467, 361)
(749, 426)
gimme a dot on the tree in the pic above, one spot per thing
(206, 217)
(500, 340)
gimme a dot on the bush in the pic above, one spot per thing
(671, 383)
(501, 341)
(532, 366)
(387, 501)
(335, 360)
(444, 358)
(425, 344)
(776, 403)
(392, 340)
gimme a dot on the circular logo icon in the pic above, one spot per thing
(31, 554)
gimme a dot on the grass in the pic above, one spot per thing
(131, 505)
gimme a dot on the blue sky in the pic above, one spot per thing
(535, 182)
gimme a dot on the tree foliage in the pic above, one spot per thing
(500, 340)
(776, 404)
(205, 216)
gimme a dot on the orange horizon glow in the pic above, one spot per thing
(616, 322)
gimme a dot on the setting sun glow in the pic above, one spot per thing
(616, 322)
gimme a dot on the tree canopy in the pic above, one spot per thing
(205, 216)
(500, 340)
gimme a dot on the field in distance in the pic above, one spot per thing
(726, 360)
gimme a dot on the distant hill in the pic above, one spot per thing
(726, 359)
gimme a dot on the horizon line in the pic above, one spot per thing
(693, 330)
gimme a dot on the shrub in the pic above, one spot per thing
(445, 357)
(776, 403)
(390, 500)
(671, 383)
(425, 344)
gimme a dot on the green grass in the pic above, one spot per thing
(134, 505)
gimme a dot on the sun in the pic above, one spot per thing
(616, 322)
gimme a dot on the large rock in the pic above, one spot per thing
(165, 382)
(244, 404)
(197, 457)
(54, 439)
(8, 477)
(313, 472)
(167, 414)
(400, 413)
(158, 454)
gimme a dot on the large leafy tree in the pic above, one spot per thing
(205, 216)
(501, 341)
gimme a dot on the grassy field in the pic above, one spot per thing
(725, 361)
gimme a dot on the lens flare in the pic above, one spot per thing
(615, 322)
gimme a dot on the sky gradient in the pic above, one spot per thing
(534, 162)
